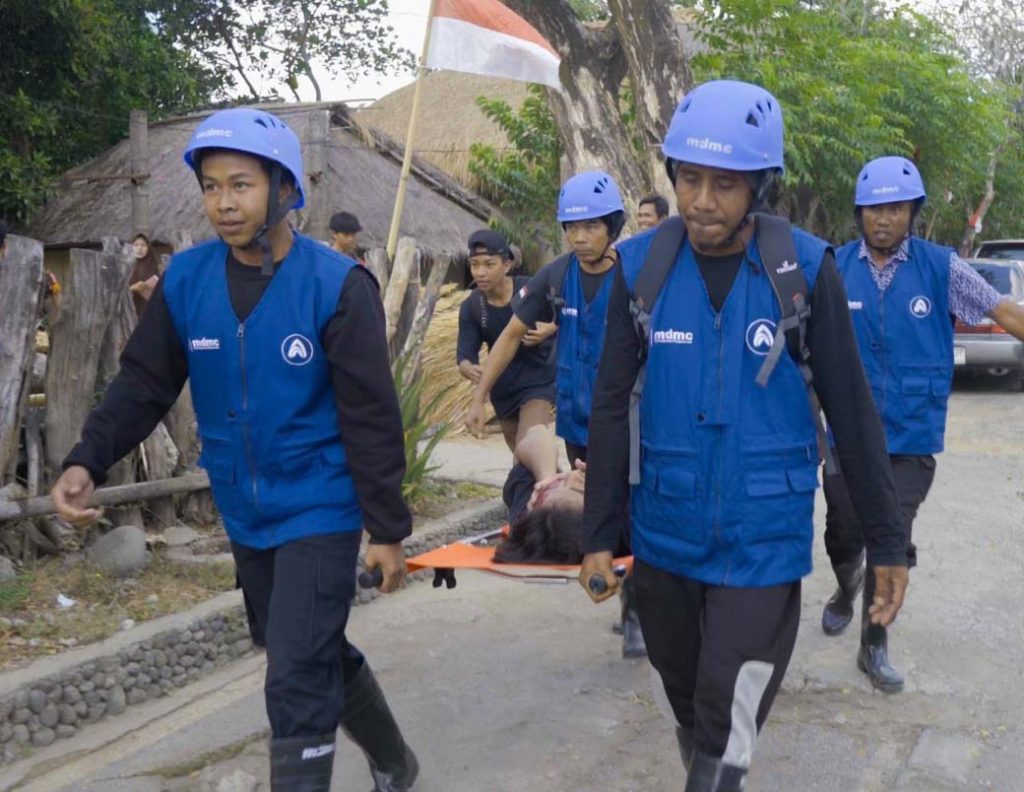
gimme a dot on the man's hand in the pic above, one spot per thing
(540, 333)
(599, 564)
(470, 371)
(890, 588)
(71, 496)
(391, 560)
(475, 418)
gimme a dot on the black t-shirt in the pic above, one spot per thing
(719, 273)
(517, 491)
(531, 305)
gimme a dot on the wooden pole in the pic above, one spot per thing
(108, 496)
(138, 142)
(403, 181)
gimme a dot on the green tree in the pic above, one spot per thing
(255, 45)
(522, 180)
(858, 81)
(71, 71)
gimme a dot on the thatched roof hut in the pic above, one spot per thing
(360, 175)
(450, 119)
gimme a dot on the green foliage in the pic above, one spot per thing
(70, 73)
(416, 429)
(857, 81)
(524, 179)
(254, 44)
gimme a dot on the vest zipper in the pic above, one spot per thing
(721, 445)
(885, 356)
(245, 411)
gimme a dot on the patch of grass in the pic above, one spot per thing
(41, 627)
(438, 497)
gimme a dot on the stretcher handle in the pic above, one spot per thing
(597, 584)
(369, 580)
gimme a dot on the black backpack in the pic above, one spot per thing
(778, 254)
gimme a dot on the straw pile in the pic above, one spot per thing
(439, 368)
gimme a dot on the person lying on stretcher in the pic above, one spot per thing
(546, 517)
(545, 507)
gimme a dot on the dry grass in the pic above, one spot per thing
(439, 366)
(103, 602)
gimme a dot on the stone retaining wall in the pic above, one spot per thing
(60, 703)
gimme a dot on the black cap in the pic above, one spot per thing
(345, 223)
(492, 242)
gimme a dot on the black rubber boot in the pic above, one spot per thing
(873, 656)
(708, 774)
(632, 636)
(368, 722)
(838, 612)
(301, 764)
(684, 737)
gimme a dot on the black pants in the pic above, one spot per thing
(844, 534)
(298, 598)
(721, 653)
(575, 452)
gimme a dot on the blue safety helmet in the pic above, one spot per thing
(726, 124)
(889, 180)
(587, 196)
(251, 132)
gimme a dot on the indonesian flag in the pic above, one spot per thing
(486, 37)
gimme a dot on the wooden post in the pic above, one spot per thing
(21, 276)
(315, 214)
(406, 263)
(95, 283)
(412, 349)
(138, 142)
(377, 263)
(410, 139)
(181, 240)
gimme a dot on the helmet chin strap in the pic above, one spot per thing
(277, 210)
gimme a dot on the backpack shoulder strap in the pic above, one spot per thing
(661, 257)
(779, 257)
(556, 282)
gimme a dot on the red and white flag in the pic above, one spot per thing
(486, 37)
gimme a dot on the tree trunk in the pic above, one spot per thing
(640, 43)
(94, 285)
(967, 243)
(413, 346)
(21, 275)
(404, 272)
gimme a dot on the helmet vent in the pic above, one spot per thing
(600, 186)
(262, 122)
(752, 120)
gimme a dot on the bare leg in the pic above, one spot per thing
(536, 412)
(537, 451)
(510, 431)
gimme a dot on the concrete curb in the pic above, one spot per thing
(56, 696)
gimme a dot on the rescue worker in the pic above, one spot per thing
(573, 292)
(282, 341)
(524, 395)
(722, 514)
(902, 291)
(651, 211)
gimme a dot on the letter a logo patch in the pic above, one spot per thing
(761, 336)
(297, 350)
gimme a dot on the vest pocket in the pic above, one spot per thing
(780, 502)
(667, 501)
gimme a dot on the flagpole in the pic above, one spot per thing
(403, 181)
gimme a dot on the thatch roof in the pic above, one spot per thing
(362, 175)
(450, 120)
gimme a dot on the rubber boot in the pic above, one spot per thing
(368, 722)
(301, 764)
(873, 656)
(838, 612)
(708, 774)
(632, 636)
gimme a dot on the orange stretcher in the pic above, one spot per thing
(477, 552)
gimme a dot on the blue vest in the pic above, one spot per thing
(905, 337)
(263, 395)
(728, 469)
(580, 341)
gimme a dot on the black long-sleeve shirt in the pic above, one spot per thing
(840, 385)
(154, 368)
